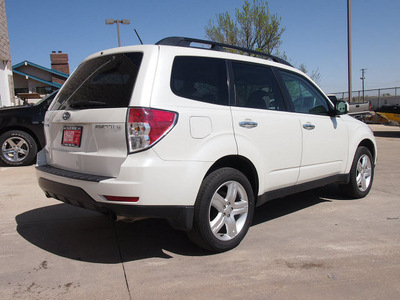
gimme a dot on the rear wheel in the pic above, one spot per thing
(17, 148)
(361, 174)
(223, 210)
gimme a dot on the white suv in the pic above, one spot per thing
(184, 131)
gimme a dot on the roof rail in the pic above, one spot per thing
(187, 42)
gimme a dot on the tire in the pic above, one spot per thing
(18, 148)
(223, 211)
(361, 174)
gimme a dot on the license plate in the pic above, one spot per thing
(72, 136)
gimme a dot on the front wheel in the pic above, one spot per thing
(361, 174)
(223, 211)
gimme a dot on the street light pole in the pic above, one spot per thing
(349, 47)
(123, 21)
(119, 37)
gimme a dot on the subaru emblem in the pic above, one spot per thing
(66, 115)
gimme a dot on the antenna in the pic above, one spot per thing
(137, 34)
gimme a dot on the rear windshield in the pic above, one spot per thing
(103, 82)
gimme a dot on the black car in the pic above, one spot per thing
(21, 132)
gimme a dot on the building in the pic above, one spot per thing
(6, 76)
(34, 81)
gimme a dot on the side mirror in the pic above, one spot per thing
(333, 98)
(341, 107)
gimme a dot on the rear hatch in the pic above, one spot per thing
(86, 125)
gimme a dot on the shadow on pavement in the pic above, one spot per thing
(284, 206)
(84, 235)
(280, 207)
(80, 234)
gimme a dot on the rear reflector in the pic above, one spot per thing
(146, 126)
(122, 199)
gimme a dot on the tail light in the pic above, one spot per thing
(146, 126)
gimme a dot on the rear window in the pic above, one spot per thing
(200, 78)
(103, 82)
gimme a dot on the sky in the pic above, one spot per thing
(315, 32)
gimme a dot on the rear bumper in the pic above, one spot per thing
(145, 175)
(179, 216)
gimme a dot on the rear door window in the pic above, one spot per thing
(103, 82)
(200, 78)
(256, 87)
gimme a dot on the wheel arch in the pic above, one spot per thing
(370, 146)
(241, 164)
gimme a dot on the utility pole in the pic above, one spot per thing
(362, 79)
(349, 48)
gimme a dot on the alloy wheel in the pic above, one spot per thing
(228, 210)
(364, 172)
(15, 149)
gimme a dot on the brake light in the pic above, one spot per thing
(146, 126)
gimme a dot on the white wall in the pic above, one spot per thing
(5, 72)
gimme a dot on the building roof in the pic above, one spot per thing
(28, 63)
(55, 84)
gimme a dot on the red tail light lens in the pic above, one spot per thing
(147, 126)
(122, 199)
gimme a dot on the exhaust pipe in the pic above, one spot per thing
(117, 218)
(124, 219)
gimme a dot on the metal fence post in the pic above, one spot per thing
(379, 97)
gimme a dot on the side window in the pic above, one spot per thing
(305, 97)
(200, 78)
(256, 87)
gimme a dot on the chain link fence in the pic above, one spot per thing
(377, 97)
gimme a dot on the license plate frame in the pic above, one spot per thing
(72, 136)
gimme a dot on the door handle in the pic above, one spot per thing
(308, 126)
(248, 124)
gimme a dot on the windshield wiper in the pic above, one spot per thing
(87, 104)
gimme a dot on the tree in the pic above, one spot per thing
(315, 75)
(254, 27)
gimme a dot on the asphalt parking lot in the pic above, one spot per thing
(313, 245)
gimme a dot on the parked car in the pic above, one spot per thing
(21, 132)
(197, 136)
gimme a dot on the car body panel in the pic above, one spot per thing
(274, 145)
(323, 155)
